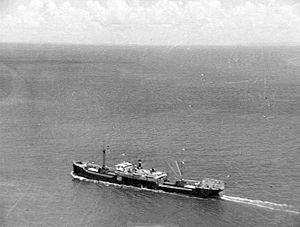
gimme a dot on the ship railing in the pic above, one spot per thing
(192, 181)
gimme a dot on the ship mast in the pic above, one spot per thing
(103, 157)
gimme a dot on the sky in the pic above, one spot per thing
(151, 22)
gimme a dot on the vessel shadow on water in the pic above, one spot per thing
(126, 173)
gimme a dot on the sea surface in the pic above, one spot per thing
(231, 113)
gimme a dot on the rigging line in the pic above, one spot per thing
(179, 170)
(173, 170)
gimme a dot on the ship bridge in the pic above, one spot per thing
(128, 168)
(125, 167)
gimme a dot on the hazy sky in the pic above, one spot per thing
(166, 22)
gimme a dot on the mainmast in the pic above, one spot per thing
(104, 156)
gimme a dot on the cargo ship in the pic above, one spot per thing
(128, 174)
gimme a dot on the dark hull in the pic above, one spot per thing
(202, 193)
(142, 183)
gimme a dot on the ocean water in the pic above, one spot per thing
(234, 110)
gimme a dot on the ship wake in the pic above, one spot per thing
(257, 203)
(263, 204)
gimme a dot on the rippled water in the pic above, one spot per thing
(236, 111)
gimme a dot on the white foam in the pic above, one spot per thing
(126, 186)
(82, 178)
(258, 203)
(263, 204)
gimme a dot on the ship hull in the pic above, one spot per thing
(120, 179)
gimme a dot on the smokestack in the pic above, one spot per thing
(139, 164)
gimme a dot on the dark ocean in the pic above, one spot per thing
(235, 110)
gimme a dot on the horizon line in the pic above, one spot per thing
(259, 44)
